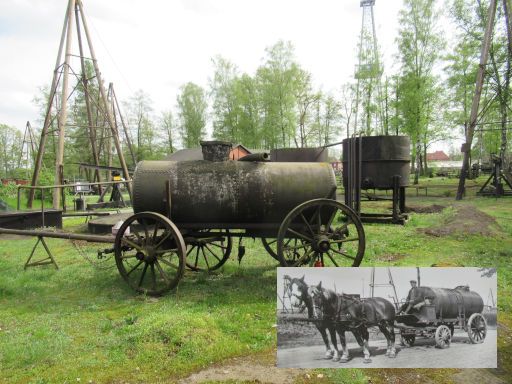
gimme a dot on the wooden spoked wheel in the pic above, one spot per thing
(208, 253)
(150, 255)
(443, 336)
(296, 257)
(477, 328)
(328, 233)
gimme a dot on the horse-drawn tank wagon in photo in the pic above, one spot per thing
(437, 312)
(187, 212)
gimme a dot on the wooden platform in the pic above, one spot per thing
(31, 219)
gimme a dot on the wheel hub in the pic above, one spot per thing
(322, 244)
(148, 255)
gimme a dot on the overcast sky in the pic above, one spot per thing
(158, 45)
(357, 280)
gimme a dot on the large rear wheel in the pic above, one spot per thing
(328, 233)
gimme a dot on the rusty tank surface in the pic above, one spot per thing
(229, 192)
(382, 158)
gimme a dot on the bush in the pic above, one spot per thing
(9, 191)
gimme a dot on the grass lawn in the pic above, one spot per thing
(82, 323)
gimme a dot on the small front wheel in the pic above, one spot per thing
(443, 337)
(150, 253)
(208, 251)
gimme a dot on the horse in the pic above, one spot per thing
(298, 292)
(351, 314)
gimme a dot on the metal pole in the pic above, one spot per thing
(476, 98)
(394, 288)
(372, 284)
(59, 235)
(59, 160)
(47, 118)
(113, 128)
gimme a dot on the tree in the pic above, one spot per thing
(169, 127)
(224, 101)
(192, 106)
(139, 109)
(492, 125)
(419, 45)
(248, 111)
(306, 98)
(347, 105)
(277, 81)
(11, 142)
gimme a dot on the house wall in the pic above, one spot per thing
(237, 153)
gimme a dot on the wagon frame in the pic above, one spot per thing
(315, 231)
(311, 233)
(425, 323)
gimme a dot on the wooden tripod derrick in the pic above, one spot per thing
(57, 107)
(475, 106)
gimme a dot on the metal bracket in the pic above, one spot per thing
(48, 260)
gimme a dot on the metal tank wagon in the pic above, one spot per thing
(436, 312)
(188, 212)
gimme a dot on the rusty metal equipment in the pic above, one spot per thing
(309, 155)
(441, 311)
(499, 180)
(377, 162)
(186, 214)
(211, 201)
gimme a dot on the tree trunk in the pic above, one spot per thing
(418, 163)
(425, 159)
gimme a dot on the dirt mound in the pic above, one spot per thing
(465, 221)
(434, 208)
(254, 368)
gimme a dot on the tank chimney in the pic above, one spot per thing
(216, 150)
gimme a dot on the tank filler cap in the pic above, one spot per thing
(216, 150)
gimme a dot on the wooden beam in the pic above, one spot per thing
(476, 98)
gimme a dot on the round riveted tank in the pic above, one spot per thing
(383, 157)
(229, 192)
(447, 301)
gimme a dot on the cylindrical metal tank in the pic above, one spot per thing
(229, 191)
(308, 155)
(382, 158)
(447, 301)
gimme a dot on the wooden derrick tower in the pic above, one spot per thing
(60, 93)
(476, 113)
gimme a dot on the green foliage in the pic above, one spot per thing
(10, 150)
(192, 106)
(419, 45)
(8, 191)
(471, 19)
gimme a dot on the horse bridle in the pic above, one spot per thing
(287, 287)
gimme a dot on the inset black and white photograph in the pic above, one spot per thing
(384, 317)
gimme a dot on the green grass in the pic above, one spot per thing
(82, 321)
